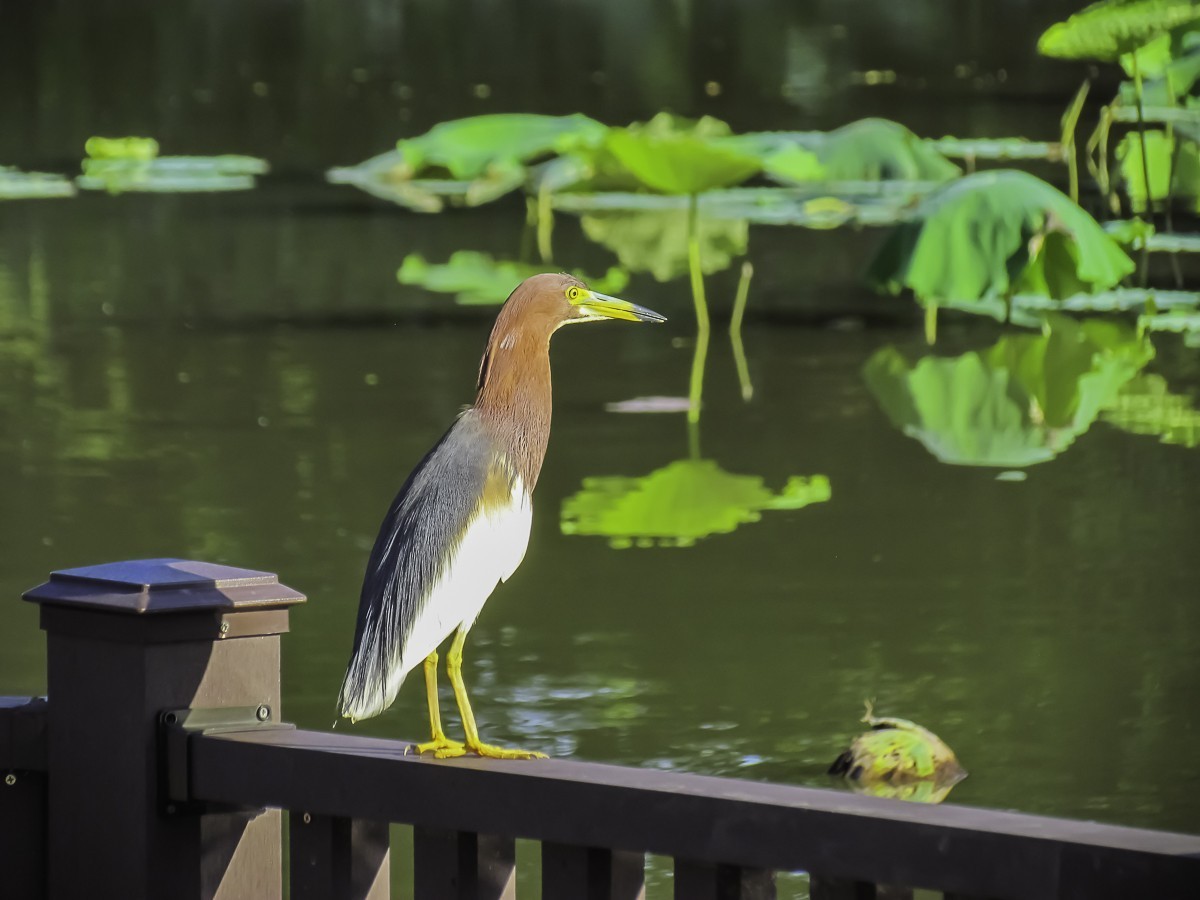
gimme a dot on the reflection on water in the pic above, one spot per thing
(656, 241)
(1023, 400)
(680, 503)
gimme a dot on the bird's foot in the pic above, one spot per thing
(442, 747)
(491, 751)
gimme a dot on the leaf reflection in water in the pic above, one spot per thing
(680, 503)
(1022, 401)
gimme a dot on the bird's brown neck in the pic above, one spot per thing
(514, 397)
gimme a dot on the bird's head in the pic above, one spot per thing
(555, 300)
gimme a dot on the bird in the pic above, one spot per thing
(460, 524)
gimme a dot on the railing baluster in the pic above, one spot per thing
(708, 881)
(820, 888)
(459, 865)
(592, 873)
(338, 858)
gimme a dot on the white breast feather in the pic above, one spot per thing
(491, 549)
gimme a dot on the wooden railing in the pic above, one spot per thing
(160, 765)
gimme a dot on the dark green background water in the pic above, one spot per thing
(240, 379)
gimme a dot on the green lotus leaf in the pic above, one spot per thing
(991, 234)
(1020, 402)
(1146, 405)
(135, 148)
(881, 150)
(795, 165)
(1111, 28)
(655, 241)
(467, 148)
(680, 503)
(673, 156)
(1184, 181)
(477, 279)
(869, 150)
(896, 756)
(1169, 66)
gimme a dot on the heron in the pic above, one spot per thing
(460, 524)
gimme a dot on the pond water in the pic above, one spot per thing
(153, 403)
(239, 378)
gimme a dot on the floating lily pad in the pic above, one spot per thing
(1116, 300)
(997, 148)
(992, 234)
(18, 185)
(476, 279)
(680, 503)
(1146, 405)
(656, 241)
(899, 759)
(382, 176)
(1020, 402)
(118, 165)
(820, 205)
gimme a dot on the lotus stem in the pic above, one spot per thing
(545, 224)
(1172, 165)
(696, 388)
(1070, 121)
(1105, 129)
(931, 311)
(693, 440)
(735, 331)
(1141, 123)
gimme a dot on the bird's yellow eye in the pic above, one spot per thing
(573, 294)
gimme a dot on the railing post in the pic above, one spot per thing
(126, 641)
(23, 797)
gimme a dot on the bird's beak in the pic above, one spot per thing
(606, 307)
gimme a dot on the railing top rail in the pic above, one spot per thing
(950, 848)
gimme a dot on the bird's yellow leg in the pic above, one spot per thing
(474, 744)
(441, 746)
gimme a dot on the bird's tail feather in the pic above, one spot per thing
(373, 677)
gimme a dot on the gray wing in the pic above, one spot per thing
(419, 535)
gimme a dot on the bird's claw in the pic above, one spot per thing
(490, 751)
(441, 747)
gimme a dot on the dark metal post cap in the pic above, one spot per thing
(153, 586)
